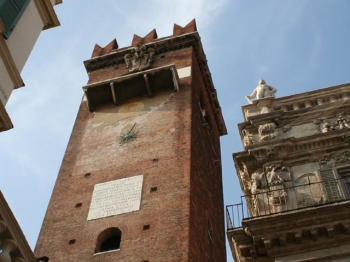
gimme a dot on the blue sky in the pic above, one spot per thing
(296, 46)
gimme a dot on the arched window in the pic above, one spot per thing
(108, 240)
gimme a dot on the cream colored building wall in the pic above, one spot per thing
(24, 35)
(20, 44)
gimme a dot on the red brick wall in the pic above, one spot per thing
(207, 239)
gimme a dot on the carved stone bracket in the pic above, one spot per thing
(248, 138)
(270, 152)
(139, 59)
(268, 131)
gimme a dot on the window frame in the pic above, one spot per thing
(342, 190)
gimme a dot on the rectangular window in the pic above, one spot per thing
(344, 174)
(10, 13)
(336, 183)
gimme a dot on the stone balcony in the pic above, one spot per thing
(280, 220)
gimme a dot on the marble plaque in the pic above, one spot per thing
(116, 197)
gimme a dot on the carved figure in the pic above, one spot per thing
(248, 138)
(268, 131)
(326, 126)
(342, 121)
(139, 59)
(257, 182)
(262, 91)
(337, 158)
(272, 176)
(284, 174)
(244, 178)
(270, 152)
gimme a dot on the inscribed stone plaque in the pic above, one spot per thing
(116, 197)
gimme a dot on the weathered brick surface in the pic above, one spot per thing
(207, 238)
(173, 151)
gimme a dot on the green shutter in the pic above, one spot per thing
(331, 185)
(10, 13)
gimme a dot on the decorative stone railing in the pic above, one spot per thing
(279, 198)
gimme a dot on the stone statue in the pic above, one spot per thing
(342, 121)
(272, 175)
(262, 91)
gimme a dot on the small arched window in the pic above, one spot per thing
(108, 240)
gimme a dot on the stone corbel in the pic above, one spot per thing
(314, 234)
(282, 240)
(267, 243)
(330, 231)
(267, 132)
(298, 237)
(270, 152)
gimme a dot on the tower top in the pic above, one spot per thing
(152, 36)
(151, 48)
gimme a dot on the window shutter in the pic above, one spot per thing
(10, 13)
(344, 173)
(331, 185)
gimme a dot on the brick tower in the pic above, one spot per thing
(141, 177)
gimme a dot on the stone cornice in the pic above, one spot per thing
(160, 46)
(297, 147)
(312, 100)
(278, 235)
(47, 13)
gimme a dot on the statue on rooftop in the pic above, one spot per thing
(262, 91)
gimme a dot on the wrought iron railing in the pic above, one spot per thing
(278, 198)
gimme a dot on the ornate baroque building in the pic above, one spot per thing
(141, 176)
(295, 176)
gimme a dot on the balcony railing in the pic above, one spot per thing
(278, 198)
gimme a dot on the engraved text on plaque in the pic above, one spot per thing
(116, 197)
